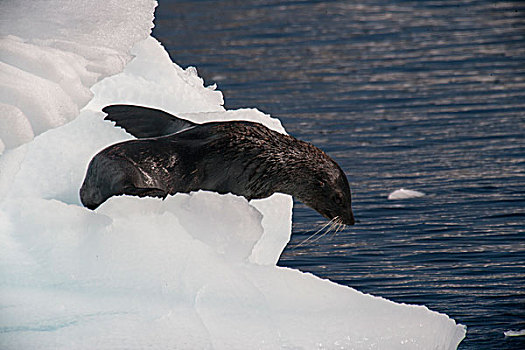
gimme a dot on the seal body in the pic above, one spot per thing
(244, 158)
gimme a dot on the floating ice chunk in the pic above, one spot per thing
(519, 333)
(405, 194)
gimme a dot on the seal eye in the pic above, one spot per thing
(338, 200)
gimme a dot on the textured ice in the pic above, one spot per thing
(405, 194)
(193, 271)
(52, 52)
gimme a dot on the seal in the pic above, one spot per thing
(172, 155)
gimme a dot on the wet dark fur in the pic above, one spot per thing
(245, 158)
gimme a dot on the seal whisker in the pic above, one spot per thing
(309, 239)
(321, 235)
(333, 226)
(339, 226)
(315, 233)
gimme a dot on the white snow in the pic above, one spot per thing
(193, 271)
(52, 52)
(405, 194)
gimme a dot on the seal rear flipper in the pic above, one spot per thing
(144, 122)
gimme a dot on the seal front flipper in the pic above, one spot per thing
(145, 192)
(144, 122)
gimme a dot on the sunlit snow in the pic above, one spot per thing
(195, 271)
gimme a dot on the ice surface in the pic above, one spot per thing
(193, 271)
(52, 52)
(405, 194)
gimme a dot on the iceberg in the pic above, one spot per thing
(193, 271)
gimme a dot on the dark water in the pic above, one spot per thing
(425, 95)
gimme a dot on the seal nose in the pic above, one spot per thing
(350, 220)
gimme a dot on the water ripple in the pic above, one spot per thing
(426, 95)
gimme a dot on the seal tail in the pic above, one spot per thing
(144, 122)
